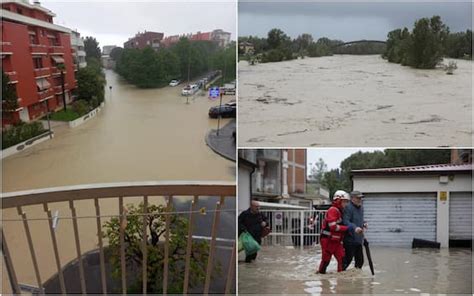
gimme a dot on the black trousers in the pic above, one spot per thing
(353, 251)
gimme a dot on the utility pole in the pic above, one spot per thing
(61, 68)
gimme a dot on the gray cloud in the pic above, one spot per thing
(347, 20)
(115, 22)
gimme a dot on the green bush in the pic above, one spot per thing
(81, 107)
(21, 132)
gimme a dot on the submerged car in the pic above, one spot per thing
(174, 82)
(189, 90)
(225, 111)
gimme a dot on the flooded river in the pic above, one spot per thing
(141, 135)
(357, 101)
(397, 271)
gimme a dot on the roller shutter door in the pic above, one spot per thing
(396, 218)
(460, 216)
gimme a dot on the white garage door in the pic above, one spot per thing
(460, 216)
(395, 219)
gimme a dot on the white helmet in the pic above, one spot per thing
(341, 194)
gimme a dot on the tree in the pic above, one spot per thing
(277, 38)
(91, 47)
(9, 96)
(155, 221)
(302, 42)
(340, 179)
(90, 85)
(115, 53)
(318, 170)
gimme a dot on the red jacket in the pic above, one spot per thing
(332, 224)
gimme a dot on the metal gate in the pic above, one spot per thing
(297, 228)
(460, 216)
(396, 218)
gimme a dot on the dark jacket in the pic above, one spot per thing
(353, 215)
(251, 222)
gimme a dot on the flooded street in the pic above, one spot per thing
(140, 135)
(349, 100)
(280, 270)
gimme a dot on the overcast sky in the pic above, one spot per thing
(112, 23)
(347, 21)
(332, 157)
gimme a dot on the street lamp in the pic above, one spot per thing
(47, 117)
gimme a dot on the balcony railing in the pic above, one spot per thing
(58, 89)
(56, 50)
(13, 76)
(42, 72)
(43, 95)
(83, 204)
(38, 49)
(6, 47)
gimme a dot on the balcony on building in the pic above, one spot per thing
(42, 72)
(6, 48)
(58, 89)
(81, 53)
(38, 49)
(59, 50)
(269, 154)
(13, 76)
(85, 268)
(45, 95)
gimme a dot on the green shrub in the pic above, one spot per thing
(81, 107)
(21, 132)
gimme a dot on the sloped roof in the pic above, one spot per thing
(431, 169)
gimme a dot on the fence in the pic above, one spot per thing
(145, 192)
(297, 228)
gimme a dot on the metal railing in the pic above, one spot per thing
(146, 192)
(297, 228)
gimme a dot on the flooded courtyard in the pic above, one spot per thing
(348, 100)
(280, 270)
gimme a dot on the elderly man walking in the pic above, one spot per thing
(354, 216)
(253, 221)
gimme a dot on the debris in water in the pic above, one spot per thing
(415, 290)
(407, 261)
(375, 283)
(295, 132)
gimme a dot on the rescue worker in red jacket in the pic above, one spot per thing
(332, 232)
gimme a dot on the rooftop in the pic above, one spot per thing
(433, 168)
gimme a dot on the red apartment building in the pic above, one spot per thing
(219, 36)
(32, 48)
(142, 40)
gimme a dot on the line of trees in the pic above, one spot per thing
(426, 45)
(147, 68)
(280, 47)
(340, 178)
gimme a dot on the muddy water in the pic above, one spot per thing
(355, 101)
(280, 270)
(140, 135)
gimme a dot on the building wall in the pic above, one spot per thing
(296, 170)
(244, 194)
(17, 34)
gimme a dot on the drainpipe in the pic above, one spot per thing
(285, 174)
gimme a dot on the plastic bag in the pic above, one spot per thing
(249, 244)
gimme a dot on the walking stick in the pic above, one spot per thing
(369, 258)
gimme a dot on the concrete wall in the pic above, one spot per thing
(85, 118)
(25, 145)
(443, 185)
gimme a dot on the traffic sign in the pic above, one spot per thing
(214, 92)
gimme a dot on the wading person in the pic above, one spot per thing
(332, 232)
(354, 216)
(254, 222)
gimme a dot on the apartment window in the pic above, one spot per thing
(38, 62)
(33, 37)
(42, 84)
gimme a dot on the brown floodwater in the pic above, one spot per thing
(141, 135)
(356, 101)
(285, 270)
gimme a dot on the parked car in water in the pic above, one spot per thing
(175, 82)
(189, 90)
(225, 111)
